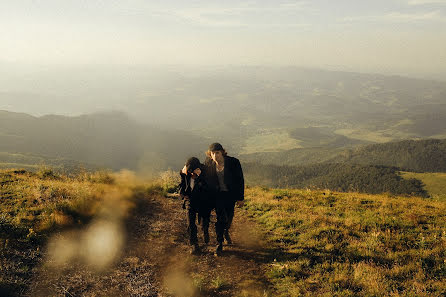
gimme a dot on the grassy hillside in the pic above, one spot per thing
(32, 162)
(294, 157)
(324, 243)
(33, 206)
(350, 244)
(435, 183)
(44, 199)
(411, 155)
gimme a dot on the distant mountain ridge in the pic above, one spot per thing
(32, 162)
(242, 104)
(111, 140)
(115, 141)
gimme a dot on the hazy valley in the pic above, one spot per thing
(251, 109)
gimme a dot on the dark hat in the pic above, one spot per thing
(216, 147)
(192, 164)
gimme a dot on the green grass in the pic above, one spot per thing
(218, 283)
(271, 141)
(435, 183)
(348, 244)
(365, 135)
(33, 205)
(43, 200)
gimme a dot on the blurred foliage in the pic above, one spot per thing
(170, 181)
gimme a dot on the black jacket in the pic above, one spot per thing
(233, 177)
(198, 196)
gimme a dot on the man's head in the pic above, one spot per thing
(216, 147)
(216, 152)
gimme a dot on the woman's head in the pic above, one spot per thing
(192, 164)
(216, 152)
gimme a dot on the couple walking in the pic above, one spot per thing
(217, 184)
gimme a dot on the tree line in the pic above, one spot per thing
(373, 179)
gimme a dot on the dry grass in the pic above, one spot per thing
(35, 205)
(45, 200)
(324, 243)
(349, 244)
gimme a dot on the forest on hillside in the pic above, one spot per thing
(334, 176)
(427, 155)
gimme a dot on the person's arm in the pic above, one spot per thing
(240, 180)
(208, 175)
(183, 186)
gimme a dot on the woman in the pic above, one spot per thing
(193, 190)
(224, 176)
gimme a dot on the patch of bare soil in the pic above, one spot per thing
(155, 261)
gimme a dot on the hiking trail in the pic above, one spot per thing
(155, 260)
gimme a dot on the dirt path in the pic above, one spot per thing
(156, 261)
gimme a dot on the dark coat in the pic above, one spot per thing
(233, 177)
(198, 196)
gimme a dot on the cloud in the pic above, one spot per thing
(245, 15)
(398, 17)
(411, 17)
(425, 2)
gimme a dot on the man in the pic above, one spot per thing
(194, 191)
(224, 175)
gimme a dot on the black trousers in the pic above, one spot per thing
(230, 215)
(224, 209)
(192, 213)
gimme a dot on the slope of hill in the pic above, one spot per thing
(435, 183)
(294, 157)
(337, 244)
(35, 205)
(109, 140)
(34, 162)
(117, 236)
(334, 176)
(413, 155)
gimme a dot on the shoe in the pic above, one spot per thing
(195, 249)
(206, 237)
(218, 250)
(227, 237)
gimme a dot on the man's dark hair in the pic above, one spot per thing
(216, 147)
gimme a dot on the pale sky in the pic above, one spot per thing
(406, 37)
